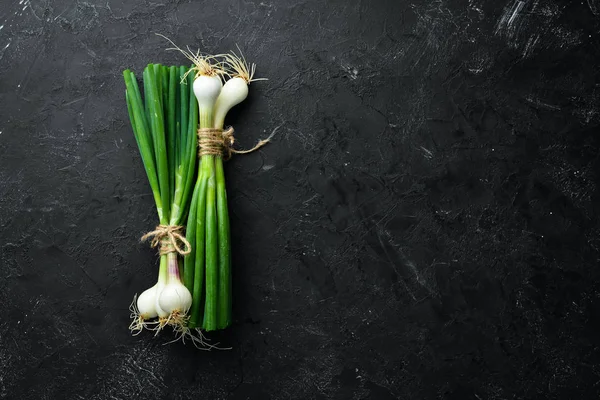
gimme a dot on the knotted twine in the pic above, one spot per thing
(219, 142)
(166, 238)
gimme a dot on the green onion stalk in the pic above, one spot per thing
(164, 124)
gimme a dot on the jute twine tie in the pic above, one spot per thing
(219, 142)
(167, 238)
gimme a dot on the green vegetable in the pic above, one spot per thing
(177, 102)
(156, 124)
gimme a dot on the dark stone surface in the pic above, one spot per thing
(424, 226)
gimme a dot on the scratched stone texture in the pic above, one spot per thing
(425, 224)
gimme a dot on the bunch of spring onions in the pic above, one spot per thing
(207, 269)
(178, 104)
(164, 126)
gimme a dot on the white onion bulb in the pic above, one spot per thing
(175, 297)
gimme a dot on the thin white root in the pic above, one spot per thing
(138, 323)
(197, 338)
(159, 325)
(177, 321)
(136, 326)
(238, 66)
(202, 62)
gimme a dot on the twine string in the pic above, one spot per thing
(219, 142)
(168, 239)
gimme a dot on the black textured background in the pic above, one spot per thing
(424, 225)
